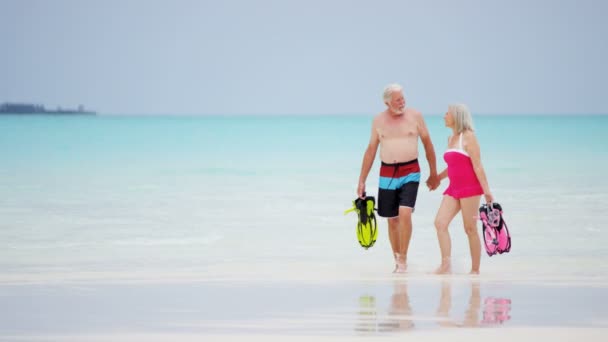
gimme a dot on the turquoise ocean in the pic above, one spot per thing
(122, 197)
(235, 225)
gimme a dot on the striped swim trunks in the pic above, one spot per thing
(398, 187)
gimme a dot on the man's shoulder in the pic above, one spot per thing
(380, 114)
(413, 111)
(379, 117)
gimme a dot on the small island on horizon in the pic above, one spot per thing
(28, 108)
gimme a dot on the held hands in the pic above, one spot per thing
(433, 182)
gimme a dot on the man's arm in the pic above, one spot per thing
(433, 181)
(368, 159)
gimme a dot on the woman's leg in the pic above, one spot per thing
(470, 207)
(447, 210)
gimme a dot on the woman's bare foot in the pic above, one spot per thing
(474, 272)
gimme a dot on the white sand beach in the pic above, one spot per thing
(273, 302)
(498, 335)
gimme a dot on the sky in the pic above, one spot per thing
(305, 57)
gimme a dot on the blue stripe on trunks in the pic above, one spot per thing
(388, 183)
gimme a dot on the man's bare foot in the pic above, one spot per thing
(400, 268)
(400, 263)
(474, 272)
(445, 267)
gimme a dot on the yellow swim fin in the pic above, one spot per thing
(367, 227)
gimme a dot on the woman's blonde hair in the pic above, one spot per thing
(462, 117)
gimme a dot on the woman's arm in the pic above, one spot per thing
(443, 174)
(471, 146)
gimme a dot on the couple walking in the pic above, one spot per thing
(396, 131)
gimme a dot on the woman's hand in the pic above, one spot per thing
(489, 198)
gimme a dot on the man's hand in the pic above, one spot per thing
(433, 182)
(361, 190)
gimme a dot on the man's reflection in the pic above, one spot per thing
(400, 312)
(397, 317)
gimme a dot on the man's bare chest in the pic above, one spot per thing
(397, 130)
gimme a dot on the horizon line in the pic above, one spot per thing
(343, 114)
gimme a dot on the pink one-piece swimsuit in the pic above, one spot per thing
(463, 180)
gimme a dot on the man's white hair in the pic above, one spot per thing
(389, 90)
(462, 117)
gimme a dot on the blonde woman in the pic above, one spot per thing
(467, 183)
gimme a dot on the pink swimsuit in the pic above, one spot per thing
(463, 180)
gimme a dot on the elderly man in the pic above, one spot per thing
(396, 130)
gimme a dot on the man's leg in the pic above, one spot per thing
(407, 201)
(393, 236)
(405, 233)
(388, 207)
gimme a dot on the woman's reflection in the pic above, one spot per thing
(471, 315)
(495, 310)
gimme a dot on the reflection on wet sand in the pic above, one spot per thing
(367, 314)
(399, 315)
(400, 311)
(495, 310)
(471, 315)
